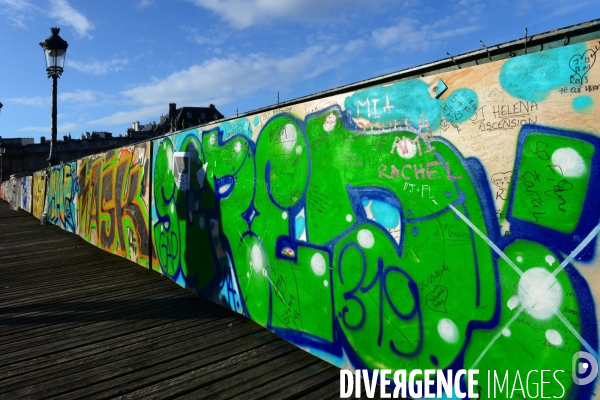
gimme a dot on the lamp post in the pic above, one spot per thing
(55, 49)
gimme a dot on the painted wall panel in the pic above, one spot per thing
(7, 190)
(26, 193)
(403, 226)
(61, 197)
(114, 199)
(15, 196)
(39, 193)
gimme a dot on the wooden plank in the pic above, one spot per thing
(176, 348)
(296, 384)
(166, 370)
(135, 335)
(53, 321)
(105, 321)
(201, 376)
(259, 376)
(117, 357)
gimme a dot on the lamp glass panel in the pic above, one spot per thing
(55, 58)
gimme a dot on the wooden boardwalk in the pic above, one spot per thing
(77, 322)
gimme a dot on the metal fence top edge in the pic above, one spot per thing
(570, 35)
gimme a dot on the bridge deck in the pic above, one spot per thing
(76, 321)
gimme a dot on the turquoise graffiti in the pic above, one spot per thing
(532, 77)
(61, 196)
(411, 101)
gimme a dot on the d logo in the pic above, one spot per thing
(590, 365)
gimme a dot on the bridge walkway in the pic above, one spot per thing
(78, 322)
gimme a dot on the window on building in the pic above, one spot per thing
(33, 162)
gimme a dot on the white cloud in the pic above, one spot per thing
(244, 13)
(194, 35)
(61, 129)
(354, 45)
(37, 101)
(233, 76)
(409, 35)
(16, 11)
(127, 117)
(562, 7)
(79, 97)
(145, 3)
(95, 67)
(220, 80)
(67, 15)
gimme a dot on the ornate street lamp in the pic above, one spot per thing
(55, 49)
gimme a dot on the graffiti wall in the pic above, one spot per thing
(61, 196)
(448, 221)
(38, 193)
(113, 203)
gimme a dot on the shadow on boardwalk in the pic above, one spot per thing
(77, 322)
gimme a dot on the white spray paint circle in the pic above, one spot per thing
(349, 218)
(506, 332)
(284, 215)
(213, 139)
(540, 293)
(448, 330)
(288, 137)
(317, 263)
(365, 238)
(256, 259)
(237, 147)
(519, 259)
(329, 123)
(550, 260)
(406, 149)
(325, 283)
(513, 302)
(569, 162)
(554, 337)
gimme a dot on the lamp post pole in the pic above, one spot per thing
(53, 158)
(55, 49)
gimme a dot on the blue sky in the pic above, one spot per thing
(127, 59)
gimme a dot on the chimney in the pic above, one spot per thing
(43, 139)
(172, 108)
